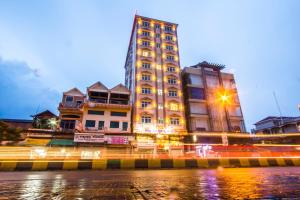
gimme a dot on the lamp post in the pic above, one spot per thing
(224, 99)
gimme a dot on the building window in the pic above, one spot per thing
(146, 65)
(146, 24)
(95, 112)
(146, 33)
(145, 43)
(196, 93)
(158, 45)
(78, 103)
(168, 28)
(101, 125)
(67, 124)
(160, 120)
(146, 120)
(170, 58)
(146, 53)
(195, 79)
(160, 107)
(169, 37)
(159, 92)
(145, 103)
(146, 77)
(172, 93)
(172, 80)
(157, 35)
(124, 126)
(146, 91)
(212, 81)
(174, 106)
(157, 25)
(90, 123)
(171, 69)
(169, 47)
(69, 99)
(174, 121)
(114, 124)
(118, 114)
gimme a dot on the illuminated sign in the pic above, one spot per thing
(89, 137)
(116, 139)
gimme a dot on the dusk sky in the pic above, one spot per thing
(47, 47)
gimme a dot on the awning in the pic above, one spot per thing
(61, 142)
(36, 142)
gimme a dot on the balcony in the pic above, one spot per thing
(146, 47)
(96, 100)
(168, 51)
(119, 102)
(70, 106)
(148, 37)
(173, 62)
(169, 41)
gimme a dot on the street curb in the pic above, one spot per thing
(102, 164)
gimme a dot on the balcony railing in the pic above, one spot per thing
(94, 100)
(119, 102)
(71, 105)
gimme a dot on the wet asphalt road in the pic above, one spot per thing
(238, 183)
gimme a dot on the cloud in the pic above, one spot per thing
(22, 91)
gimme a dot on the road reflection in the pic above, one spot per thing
(238, 183)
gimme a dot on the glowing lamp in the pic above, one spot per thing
(138, 89)
(153, 78)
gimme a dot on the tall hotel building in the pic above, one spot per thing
(153, 77)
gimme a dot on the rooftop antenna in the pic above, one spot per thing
(278, 107)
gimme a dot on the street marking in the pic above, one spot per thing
(141, 163)
(39, 165)
(55, 165)
(99, 164)
(113, 164)
(127, 164)
(166, 163)
(153, 163)
(224, 162)
(296, 161)
(214, 163)
(8, 165)
(202, 163)
(23, 165)
(263, 162)
(72, 165)
(179, 163)
(244, 162)
(280, 161)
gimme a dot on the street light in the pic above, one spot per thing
(224, 98)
